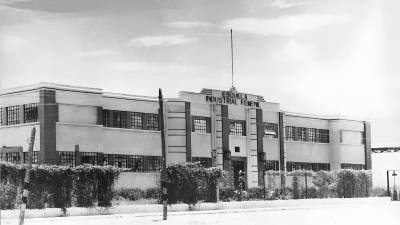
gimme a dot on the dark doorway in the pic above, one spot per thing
(237, 166)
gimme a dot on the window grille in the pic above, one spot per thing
(289, 133)
(153, 163)
(1, 116)
(323, 136)
(290, 166)
(121, 161)
(238, 127)
(270, 130)
(67, 158)
(272, 165)
(152, 121)
(106, 118)
(119, 119)
(12, 115)
(301, 134)
(31, 113)
(201, 124)
(11, 157)
(136, 120)
(89, 158)
(35, 157)
(352, 166)
(311, 132)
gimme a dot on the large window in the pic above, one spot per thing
(13, 115)
(153, 163)
(301, 134)
(11, 157)
(107, 118)
(137, 163)
(152, 121)
(35, 157)
(290, 166)
(136, 120)
(30, 113)
(89, 158)
(352, 166)
(270, 130)
(67, 158)
(323, 136)
(1, 116)
(311, 133)
(272, 165)
(201, 124)
(289, 133)
(119, 119)
(238, 127)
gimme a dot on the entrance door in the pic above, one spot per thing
(237, 166)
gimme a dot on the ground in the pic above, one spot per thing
(372, 211)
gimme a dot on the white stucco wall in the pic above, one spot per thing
(18, 135)
(297, 151)
(77, 114)
(137, 180)
(88, 137)
(19, 98)
(201, 145)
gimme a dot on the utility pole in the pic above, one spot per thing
(164, 155)
(232, 56)
(27, 177)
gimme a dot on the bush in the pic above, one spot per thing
(226, 194)
(8, 195)
(57, 186)
(378, 192)
(132, 194)
(184, 181)
(256, 193)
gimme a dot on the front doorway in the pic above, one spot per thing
(239, 165)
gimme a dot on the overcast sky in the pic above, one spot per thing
(312, 56)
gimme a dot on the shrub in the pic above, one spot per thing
(153, 193)
(226, 194)
(56, 186)
(256, 193)
(184, 181)
(132, 194)
(8, 195)
(378, 192)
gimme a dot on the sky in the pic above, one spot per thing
(323, 57)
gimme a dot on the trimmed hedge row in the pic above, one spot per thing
(58, 186)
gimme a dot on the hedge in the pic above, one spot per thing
(190, 182)
(58, 186)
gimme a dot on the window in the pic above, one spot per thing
(272, 165)
(121, 161)
(352, 166)
(270, 130)
(291, 166)
(137, 163)
(301, 133)
(204, 161)
(67, 158)
(289, 133)
(136, 120)
(311, 132)
(238, 127)
(30, 113)
(323, 136)
(35, 157)
(153, 163)
(106, 118)
(1, 116)
(152, 121)
(12, 115)
(119, 119)
(11, 157)
(89, 158)
(201, 124)
(237, 149)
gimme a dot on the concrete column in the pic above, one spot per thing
(48, 116)
(225, 135)
(4, 116)
(99, 120)
(367, 145)
(188, 118)
(260, 146)
(216, 134)
(335, 157)
(251, 147)
(21, 114)
(282, 150)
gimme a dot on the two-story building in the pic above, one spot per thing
(228, 129)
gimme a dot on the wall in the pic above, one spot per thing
(239, 141)
(201, 145)
(19, 98)
(137, 180)
(18, 135)
(271, 148)
(77, 114)
(88, 137)
(132, 142)
(297, 151)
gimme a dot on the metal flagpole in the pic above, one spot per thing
(164, 156)
(27, 178)
(232, 56)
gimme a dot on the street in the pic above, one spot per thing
(379, 212)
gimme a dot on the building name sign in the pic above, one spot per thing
(229, 97)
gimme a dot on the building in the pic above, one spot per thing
(234, 131)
